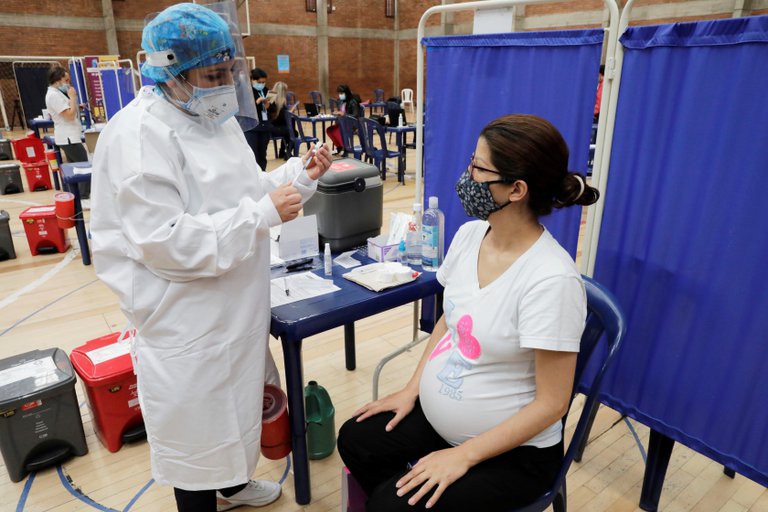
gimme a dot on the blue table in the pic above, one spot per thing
(71, 180)
(40, 124)
(292, 323)
(317, 119)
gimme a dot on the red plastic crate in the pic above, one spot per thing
(42, 229)
(106, 370)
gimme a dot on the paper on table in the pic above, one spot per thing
(298, 238)
(296, 287)
(346, 260)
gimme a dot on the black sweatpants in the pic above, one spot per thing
(377, 459)
(77, 153)
(202, 501)
(258, 139)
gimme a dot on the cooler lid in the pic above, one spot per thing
(347, 170)
(34, 212)
(33, 373)
(102, 359)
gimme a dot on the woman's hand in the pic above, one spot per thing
(287, 201)
(401, 403)
(321, 161)
(436, 471)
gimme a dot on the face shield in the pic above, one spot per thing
(197, 51)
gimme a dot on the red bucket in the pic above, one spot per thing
(50, 155)
(275, 427)
(65, 209)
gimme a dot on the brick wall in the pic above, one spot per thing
(82, 8)
(360, 13)
(303, 60)
(283, 12)
(49, 41)
(138, 9)
(563, 7)
(363, 64)
(410, 13)
(408, 66)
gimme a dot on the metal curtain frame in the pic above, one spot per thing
(603, 156)
(238, 3)
(82, 93)
(607, 103)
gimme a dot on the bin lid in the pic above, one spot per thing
(33, 373)
(102, 359)
(39, 212)
(4, 216)
(347, 170)
(6, 167)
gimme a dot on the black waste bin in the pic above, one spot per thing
(40, 423)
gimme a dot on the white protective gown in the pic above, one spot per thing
(180, 225)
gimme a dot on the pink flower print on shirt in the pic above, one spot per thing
(442, 346)
(468, 344)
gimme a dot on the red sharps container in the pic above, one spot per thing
(106, 370)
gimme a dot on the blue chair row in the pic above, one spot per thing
(369, 131)
(296, 135)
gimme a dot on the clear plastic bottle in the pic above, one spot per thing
(413, 237)
(432, 236)
(327, 261)
(401, 256)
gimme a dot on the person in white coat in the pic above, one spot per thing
(180, 227)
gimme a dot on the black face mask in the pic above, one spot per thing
(476, 197)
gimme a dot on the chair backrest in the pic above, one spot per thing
(333, 104)
(317, 99)
(378, 95)
(294, 125)
(407, 95)
(366, 135)
(348, 126)
(290, 100)
(604, 330)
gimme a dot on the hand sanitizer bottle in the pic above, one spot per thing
(432, 236)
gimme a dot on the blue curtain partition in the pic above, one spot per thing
(474, 79)
(683, 237)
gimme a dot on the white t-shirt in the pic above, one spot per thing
(64, 130)
(483, 372)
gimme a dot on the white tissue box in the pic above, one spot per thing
(378, 249)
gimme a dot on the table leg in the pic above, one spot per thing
(294, 380)
(349, 346)
(401, 159)
(659, 452)
(56, 184)
(82, 234)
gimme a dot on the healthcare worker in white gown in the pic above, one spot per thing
(180, 228)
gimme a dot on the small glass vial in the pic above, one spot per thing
(327, 261)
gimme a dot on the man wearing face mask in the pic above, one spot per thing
(258, 137)
(61, 102)
(180, 226)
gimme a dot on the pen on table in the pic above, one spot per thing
(285, 287)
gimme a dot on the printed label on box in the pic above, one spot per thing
(109, 352)
(40, 369)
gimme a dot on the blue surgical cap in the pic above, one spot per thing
(196, 35)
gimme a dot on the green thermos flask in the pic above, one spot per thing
(321, 427)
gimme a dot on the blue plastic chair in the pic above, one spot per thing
(295, 127)
(333, 105)
(378, 101)
(348, 126)
(291, 101)
(317, 99)
(371, 130)
(604, 331)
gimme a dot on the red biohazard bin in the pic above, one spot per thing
(38, 177)
(29, 150)
(106, 371)
(43, 232)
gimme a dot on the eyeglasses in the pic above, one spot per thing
(472, 168)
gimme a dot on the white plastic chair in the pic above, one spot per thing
(406, 96)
